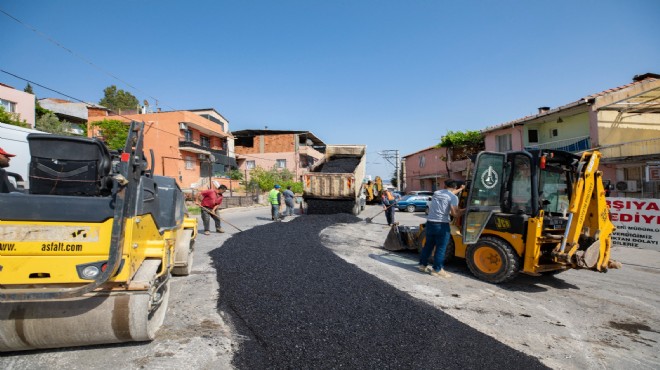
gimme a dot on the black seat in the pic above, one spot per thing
(66, 165)
(6, 186)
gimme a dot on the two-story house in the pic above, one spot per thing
(428, 168)
(295, 151)
(18, 102)
(186, 145)
(623, 123)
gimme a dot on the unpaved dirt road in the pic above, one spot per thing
(576, 320)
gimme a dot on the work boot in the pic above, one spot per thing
(441, 273)
(219, 230)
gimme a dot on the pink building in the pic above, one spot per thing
(428, 168)
(292, 150)
(19, 102)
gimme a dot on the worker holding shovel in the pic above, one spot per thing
(211, 199)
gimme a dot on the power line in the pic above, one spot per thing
(58, 44)
(74, 98)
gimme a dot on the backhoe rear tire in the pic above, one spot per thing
(493, 260)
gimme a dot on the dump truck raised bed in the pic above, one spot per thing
(334, 185)
(86, 255)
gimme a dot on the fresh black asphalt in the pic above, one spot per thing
(299, 306)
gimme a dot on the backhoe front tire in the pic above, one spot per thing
(493, 260)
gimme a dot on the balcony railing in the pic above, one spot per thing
(573, 145)
(191, 144)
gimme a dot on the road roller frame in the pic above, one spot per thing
(86, 255)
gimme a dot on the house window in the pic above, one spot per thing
(187, 135)
(533, 136)
(9, 106)
(281, 163)
(503, 142)
(422, 161)
(249, 165)
(554, 132)
(190, 162)
(205, 141)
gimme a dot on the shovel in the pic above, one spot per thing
(368, 219)
(218, 217)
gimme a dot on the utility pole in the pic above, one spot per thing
(392, 156)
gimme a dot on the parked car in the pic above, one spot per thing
(398, 194)
(412, 203)
(421, 192)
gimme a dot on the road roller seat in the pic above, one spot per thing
(67, 165)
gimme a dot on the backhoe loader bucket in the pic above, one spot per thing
(404, 238)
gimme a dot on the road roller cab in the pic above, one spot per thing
(86, 254)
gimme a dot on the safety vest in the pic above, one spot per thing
(389, 195)
(272, 196)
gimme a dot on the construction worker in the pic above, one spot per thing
(211, 200)
(444, 203)
(388, 204)
(274, 198)
(6, 186)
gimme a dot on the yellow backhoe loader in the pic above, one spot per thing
(535, 212)
(86, 255)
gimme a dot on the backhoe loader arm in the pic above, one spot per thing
(588, 218)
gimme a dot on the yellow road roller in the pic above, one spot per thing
(86, 254)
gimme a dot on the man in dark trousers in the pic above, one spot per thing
(444, 203)
(211, 199)
(388, 204)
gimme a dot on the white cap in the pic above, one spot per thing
(216, 184)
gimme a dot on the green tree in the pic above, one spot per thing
(13, 119)
(266, 179)
(49, 122)
(461, 145)
(235, 174)
(113, 131)
(28, 89)
(117, 100)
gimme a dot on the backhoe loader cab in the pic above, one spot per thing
(535, 212)
(538, 211)
(86, 255)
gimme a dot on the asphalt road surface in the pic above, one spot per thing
(300, 306)
(302, 316)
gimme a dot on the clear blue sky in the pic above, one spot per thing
(388, 74)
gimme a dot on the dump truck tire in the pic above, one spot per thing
(493, 260)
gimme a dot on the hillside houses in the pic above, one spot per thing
(623, 123)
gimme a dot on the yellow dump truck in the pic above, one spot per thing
(86, 255)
